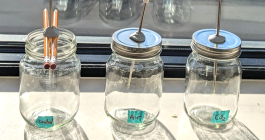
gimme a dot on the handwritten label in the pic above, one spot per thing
(220, 116)
(135, 116)
(45, 121)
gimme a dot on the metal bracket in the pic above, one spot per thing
(51, 32)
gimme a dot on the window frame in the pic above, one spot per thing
(95, 51)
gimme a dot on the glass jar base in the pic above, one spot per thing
(60, 117)
(119, 122)
(203, 115)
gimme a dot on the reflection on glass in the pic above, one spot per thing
(87, 6)
(159, 132)
(73, 131)
(171, 12)
(119, 12)
(235, 130)
(69, 10)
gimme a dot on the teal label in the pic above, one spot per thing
(135, 116)
(220, 116)
(45, 121)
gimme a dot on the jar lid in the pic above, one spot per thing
(123, 45)
(231, 48)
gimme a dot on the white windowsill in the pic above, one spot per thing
(94, 123)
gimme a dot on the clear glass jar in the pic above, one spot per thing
(134, 81)
(70, 11)
(143, 94)
(119, 12)
(49, 95)
(212, 83)
(171, 13)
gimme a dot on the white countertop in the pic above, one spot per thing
(91, 122)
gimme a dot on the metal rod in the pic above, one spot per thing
(142, 18)
(214, 76)
(51, 14)
(139, 31)
(215, 72)
(219, 17)
(217, 38)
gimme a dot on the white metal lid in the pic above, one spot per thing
(231, 48)
(123, 45)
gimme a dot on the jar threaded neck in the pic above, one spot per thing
(35, 44)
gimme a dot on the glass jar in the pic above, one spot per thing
(134, 81)
(213, 76)
(70, 11)
(119, 12)
(171, 13)
(49, 99)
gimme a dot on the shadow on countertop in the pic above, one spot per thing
(72, 131)
(235, 131)
(160, 132)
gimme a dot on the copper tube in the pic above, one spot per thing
(54, 42)
(46, 40)
(55, 18)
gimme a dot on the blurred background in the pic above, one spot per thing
(170, 18)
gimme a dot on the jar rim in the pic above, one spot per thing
(200, 49)
(36, 50)
(210, 58)
(131, 58)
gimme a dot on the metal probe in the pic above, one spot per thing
(139, 37)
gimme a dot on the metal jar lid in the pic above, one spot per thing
(231, 48)
(124, 46)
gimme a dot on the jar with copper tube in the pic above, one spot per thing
(49, 99)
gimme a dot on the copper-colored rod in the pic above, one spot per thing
(46, 40)
(142, 18)
(51, 13)
(54, 42)
(219, 17)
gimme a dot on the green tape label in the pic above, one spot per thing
(135, 116)
(220, 116)
(45, 121)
